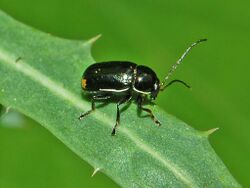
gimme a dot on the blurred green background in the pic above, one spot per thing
(154, 33)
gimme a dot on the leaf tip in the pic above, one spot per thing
(95, 171)
(94, 39)
(210, 131)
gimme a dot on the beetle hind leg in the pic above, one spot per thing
(88, 112)
(93, 107)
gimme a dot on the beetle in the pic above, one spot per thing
(126, 81)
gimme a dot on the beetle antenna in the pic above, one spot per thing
(170, 72)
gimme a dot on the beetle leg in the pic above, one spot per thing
(139, 102)
(88, 112)
(122, 101)
(93, 105)
(151, 115)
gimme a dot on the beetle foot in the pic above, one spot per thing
(157, 122)
(113, 132)
(82, 116)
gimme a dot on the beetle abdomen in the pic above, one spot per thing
(113, 76)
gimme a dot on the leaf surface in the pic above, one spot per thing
(40, 77)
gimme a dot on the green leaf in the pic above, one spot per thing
(40, 77)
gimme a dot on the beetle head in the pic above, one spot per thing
(155, 90)
(146, 81)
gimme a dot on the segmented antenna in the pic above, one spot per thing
(170, 72)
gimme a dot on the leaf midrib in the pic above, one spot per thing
(77, 102)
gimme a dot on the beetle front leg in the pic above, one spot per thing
(88, 112)
(124, 100)
(139, 102)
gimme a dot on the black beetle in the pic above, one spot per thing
(124, 81)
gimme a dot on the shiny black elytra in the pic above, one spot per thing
(123, 81)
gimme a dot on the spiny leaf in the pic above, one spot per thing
(95, 171)
(40, 77)
(211, 131)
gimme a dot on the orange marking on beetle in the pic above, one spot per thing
(84, 83)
